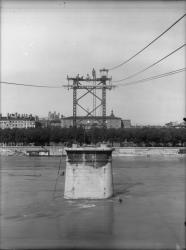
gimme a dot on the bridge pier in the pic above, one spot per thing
(88, 173)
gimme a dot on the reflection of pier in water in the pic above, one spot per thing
(87, 222)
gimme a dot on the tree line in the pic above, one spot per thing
(146, 136)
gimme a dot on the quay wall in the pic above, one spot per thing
(137, 151)
(118, 151)
(21, 150)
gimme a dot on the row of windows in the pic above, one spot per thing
(17, 122)
(16, 125)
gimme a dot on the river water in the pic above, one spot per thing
(34, 213)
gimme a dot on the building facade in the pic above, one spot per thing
(53, 115)
(55, 123)
(17, 121)
(126, 124)
(91, 121)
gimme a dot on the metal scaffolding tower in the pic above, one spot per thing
(92, 85)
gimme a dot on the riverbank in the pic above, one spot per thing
(118, 151)
(146, 151)
(22, 150)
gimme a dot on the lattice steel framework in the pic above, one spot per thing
(92, 85)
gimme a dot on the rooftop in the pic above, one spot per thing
(5, 118)
(92, 117)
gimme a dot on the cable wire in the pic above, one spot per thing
(153, 77)
(121, 64)
(31, 85)
(141, 71)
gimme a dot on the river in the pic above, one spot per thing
(34, 213)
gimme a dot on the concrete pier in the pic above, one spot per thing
(88, 173)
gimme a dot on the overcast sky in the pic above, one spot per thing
(43, 41)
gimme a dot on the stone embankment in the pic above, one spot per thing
(119, 151)
(22, 150)
(148, 151)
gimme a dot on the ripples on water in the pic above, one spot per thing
(33, 207)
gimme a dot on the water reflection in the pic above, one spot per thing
(87, 220)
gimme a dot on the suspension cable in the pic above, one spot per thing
(121, 64)
(141, 71)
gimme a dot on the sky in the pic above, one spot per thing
(44, 41)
